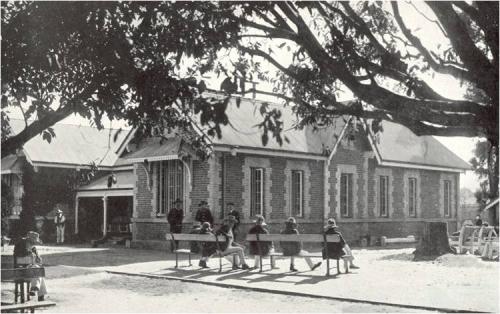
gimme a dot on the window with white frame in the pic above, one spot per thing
(256, 191)
(412, 197)
(346, 194)
(297, 193)
(383, 196)
(447, 198)
(169, 184)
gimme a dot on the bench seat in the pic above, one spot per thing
(30, 305)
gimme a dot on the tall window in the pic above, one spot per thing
(170, 184)
(412, 197)
(297, 193)
(447, 198)
(256, 191)
(384, 196)
(346, 194)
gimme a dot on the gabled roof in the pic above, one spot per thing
(397, 144)
(242, 130)
(73, 146)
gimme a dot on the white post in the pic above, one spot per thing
(105, 213)
(76, 214)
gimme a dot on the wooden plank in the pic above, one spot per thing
(22, 273)
(194, 237)
(26, 305)
(316, 238)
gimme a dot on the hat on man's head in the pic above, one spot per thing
(59, 211)
(203, 203)
(178, 201)
(205, 225)
(331, 222)
(291, 220)
(34, 237)
(261, 219)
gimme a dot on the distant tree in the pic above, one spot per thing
(484, 164)
(96, 56)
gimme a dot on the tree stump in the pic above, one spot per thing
(434, 241)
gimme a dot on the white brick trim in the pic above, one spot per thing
(301, 166)
(384, 172)
(412, 174)
(256, 162)
(343, 168)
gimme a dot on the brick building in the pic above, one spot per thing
(385, 184)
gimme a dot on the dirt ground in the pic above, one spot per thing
(103, 292)
(78, 283)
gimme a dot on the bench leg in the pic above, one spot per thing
(176, 260)
(338, 267)
(189, 255)
(261, 262)
(327, 266)
(220, 263)
(23, 299)
(16, 291)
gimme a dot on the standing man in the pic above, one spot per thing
(174, 217)
(236, 214)
(203, 214)
(59, 221)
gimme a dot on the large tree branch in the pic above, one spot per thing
(445, 69)
(472, 57)
(10, 145)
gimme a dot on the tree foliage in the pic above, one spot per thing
(139, 60)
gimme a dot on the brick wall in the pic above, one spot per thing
(143, 194)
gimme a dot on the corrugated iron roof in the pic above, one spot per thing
(397, 143)
(73, 145)
(243, 132)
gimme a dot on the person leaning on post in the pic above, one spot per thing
(59, 221)
(174, 217)
(266, 247)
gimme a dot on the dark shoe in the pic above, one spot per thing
(354, 267)
(236, 267)
(245, 266)
(316, 266)
(292, 268)
(203, 264)
(41, 298)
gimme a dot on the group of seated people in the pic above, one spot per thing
(292, 249)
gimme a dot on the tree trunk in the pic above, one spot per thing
(434, 241)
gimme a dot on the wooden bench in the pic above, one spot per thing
(197, 238)
(20, 276)
(313, 238)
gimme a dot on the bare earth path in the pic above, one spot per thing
(454, 282)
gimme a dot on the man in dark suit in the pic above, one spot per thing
(203, 214)
(174, 217)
